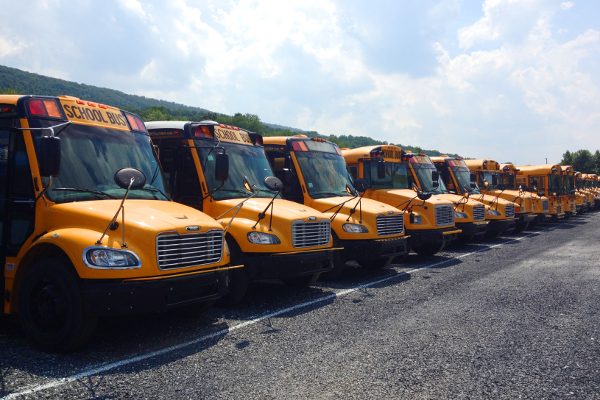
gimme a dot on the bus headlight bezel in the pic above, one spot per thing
(354, 228)
(256, 237)
(100, 257)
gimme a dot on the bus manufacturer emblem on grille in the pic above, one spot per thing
(192, 228)
(312, 218)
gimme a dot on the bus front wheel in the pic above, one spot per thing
(51, 309)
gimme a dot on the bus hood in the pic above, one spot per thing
(283, 210)
(400, 197)
(142, 217)
(331, 204)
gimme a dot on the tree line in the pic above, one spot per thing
(583, 161)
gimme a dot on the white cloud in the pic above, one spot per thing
(11, 47)
(566, 5)
(134, 6)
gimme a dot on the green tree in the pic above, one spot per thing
(596, 162)
(567, 158)
(583, 161)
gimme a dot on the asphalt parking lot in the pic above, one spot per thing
(516, 317)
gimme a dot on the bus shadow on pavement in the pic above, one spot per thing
(266, 297)
(118, 338)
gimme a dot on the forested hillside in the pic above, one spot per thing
(13, 80)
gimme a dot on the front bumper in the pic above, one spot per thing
(471, 229)
(289, 265)
(393, 247)
(156, 294)
(433, 236)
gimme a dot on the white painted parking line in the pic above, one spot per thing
(332, 296)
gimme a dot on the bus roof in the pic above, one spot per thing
(508, 167)
(567, 169)
(484, 165)
(389, 152)
(538, 169)
(72, 109)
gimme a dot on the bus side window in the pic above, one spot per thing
(284, 170)
(4, 137)
(20, 196)
(180, 173)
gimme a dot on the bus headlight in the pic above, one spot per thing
(104, 257)
(355, 228)
(493, 213)
(262, 238)
(460, 215)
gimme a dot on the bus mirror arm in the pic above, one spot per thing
(275, 184)
(126, 178)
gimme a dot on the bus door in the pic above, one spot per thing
(17, 199)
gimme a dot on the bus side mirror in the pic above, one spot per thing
(130, 176)
(49, 156)
(221, 167)
(435, 179)
(273, 183)
(380, 170)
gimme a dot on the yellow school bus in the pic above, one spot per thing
(88, 229)
(570, 200)
(469, 214)
(429, 220)
(314, 173)
(545, 180)
(590, 183)
(539, 204)
(456, 175)
(501, 183)
(271, 236)
(585, 198)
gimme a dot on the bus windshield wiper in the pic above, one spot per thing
(98, 193)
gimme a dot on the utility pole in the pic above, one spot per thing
(546, 160)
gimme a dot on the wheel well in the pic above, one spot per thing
(37, 253)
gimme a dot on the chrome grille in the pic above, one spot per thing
(479, 212)
(509, 210)
(308, 234)
(390, 224)
(444, 215)
(545, 205)
(180, 251)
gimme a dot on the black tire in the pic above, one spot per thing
(51, 309)
(428, 249)
(375, 262)
(239, 279)
(301, 281)
(520, 227)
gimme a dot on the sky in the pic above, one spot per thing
(509, 80)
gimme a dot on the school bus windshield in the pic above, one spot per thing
(463, 178)
(245, 161)
(91, 155)
(555, 184)
(567, 183)
(396, 175)
(324, 173)
(423, 171)
(507, 180)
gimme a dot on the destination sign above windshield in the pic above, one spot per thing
(89, 113)
(232, 135)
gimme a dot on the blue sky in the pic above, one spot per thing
(510, 80)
